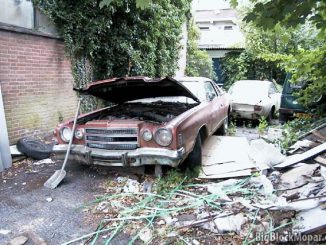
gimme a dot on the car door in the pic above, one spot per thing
(216, 106)
(225, 100)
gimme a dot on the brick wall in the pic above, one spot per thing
(36, 83)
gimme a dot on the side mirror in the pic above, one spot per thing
(211, 96)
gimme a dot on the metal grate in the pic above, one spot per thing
(112, 139)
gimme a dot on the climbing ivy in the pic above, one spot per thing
(120, 39)
(115, 38)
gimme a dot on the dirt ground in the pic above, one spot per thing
(55, 216)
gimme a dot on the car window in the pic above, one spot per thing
(210, 91)
(272, 89)
(248, 88)
(219, 90)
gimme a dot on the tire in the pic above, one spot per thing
(224, 127)
(271, 114)
(283, 118)
(195, 157)
(34, 148)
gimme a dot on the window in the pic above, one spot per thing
(210, 91)
(228, 28)
(272, 89)
(17, 13)
(21, 13)
(204, 28)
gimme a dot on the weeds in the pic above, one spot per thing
(262, 126)
(172, 179)
(292, 130)
(232, 129)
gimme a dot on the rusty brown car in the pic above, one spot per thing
(157, 122)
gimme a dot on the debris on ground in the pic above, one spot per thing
(256, 200)
(20, 240)
(44, 161)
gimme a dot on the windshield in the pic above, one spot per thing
(197, 88)
(249, 89)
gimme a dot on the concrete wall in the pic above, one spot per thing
(36, 83)
(17, 12)
(217, 35)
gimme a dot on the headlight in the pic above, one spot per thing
(65, 134)
(79, 134)
(147, 135)
(163, 136)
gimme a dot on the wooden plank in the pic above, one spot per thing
(241, 173)
(291, 160)
(319, 135)
(320, 160)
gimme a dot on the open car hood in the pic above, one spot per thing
(119, 90)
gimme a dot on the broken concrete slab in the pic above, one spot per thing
(301, 144)
(265, 185)
(265, 155)
(295, 177)
(226, 224)
(20, 240)
(291, 160)
(310, 221)
(273, 134)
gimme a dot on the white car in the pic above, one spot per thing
(253, 99)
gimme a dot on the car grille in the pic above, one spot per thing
(112, 139)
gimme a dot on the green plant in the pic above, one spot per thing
(199, 63)
(294, 41)
(262, 126)
(292, 130)
(118, 39)
(172, 179)
(232, 129)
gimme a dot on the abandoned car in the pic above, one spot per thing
(253, 99)
(151, 122)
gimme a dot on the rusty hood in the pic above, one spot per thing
(120, 90)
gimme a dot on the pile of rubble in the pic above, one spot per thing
(273, 197)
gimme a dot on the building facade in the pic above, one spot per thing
(219, 30)
(35, 74)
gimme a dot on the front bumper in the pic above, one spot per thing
(137, 157)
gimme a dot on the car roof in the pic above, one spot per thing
(266, 82)
(192, 79)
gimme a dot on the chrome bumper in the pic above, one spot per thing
(137, 157)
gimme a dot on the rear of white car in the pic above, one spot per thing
(253, 99)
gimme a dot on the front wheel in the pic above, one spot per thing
(195, 157)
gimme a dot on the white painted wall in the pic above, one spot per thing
(17, 12)
(5, 156)
(210, 4)
(219, 36)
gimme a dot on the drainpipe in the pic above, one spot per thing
(5, 156)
